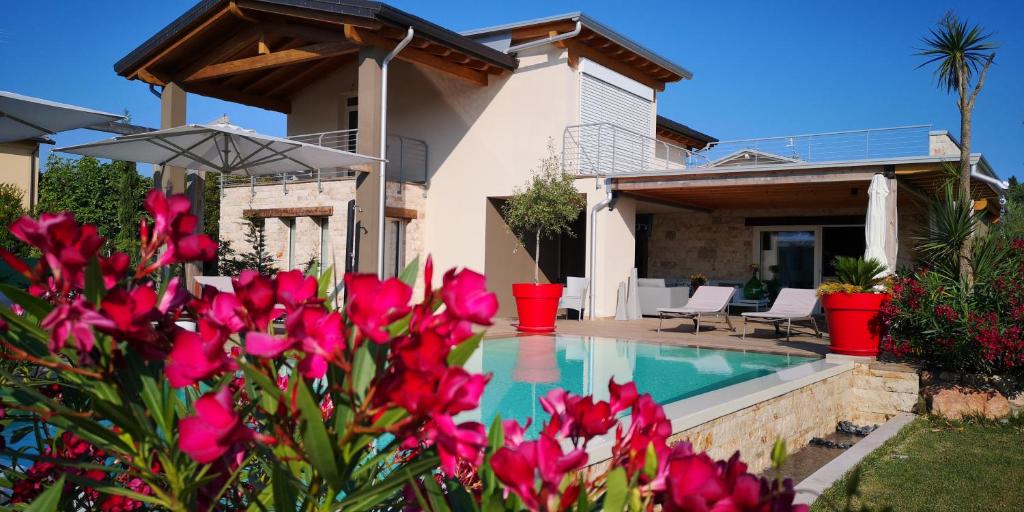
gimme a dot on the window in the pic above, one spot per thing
(352, 120)
(292, 261)
(394, 247)
(325, 242)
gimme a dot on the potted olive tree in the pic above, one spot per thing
(853, 303)
(546, 207)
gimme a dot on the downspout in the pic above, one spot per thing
(383, 147)
(607, 201)
(548, 40)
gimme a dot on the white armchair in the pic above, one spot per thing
(654, 294)
(574, 295)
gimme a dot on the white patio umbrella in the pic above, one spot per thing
(220, 147)
(25, 117)
(877, 222)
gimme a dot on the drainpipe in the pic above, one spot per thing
(383, 147)
(548, 40)
(1001, 186)
(607, 201)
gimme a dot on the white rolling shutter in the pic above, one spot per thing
(608, 98)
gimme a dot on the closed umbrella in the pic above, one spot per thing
(220, 147)
(877, 222)
(25, 117)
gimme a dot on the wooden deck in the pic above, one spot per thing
(714, 334)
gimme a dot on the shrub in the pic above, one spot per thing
(854, 275)
(338, 409)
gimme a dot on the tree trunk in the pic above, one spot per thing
(966, 272)
(536, 260)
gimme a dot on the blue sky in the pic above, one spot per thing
(760, 68)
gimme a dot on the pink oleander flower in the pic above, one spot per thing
(520, 466)
(75, 319)
(175, 226)
(114, 268)
(66, 246)
(256, 295)
(375, 304)
(197, 356)
(466, 297)
(294, 289)
(465, 441)
(576, 417)
(215, 430)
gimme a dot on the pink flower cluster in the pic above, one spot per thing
(678, 480)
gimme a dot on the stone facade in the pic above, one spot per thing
(719, 244)
(870, 393)
(796, 417)
(335, 193)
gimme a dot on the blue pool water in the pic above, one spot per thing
(526, 368)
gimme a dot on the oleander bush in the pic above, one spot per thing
(122, 391)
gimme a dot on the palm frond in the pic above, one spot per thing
(958, 48)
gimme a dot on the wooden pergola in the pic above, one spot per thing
(260, 52)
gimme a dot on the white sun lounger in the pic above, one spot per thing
(706, 301)
(792, 304)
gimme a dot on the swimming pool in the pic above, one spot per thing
(526, 368)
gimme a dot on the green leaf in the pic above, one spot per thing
(616, 491)
(409, 273)
(49, 499)
(315, 441)
(582, 500)
(463, 351)
(436, 496)
(364, 368)
(285, 493)
(778, 453)
(94, 281)
(33, 306)
(370, 495)
(651, 461)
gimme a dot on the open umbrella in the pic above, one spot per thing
(220, 147)
(876, 224)
(25, 117)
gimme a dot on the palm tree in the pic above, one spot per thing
(960, 52)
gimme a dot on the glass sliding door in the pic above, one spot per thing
(789, 256)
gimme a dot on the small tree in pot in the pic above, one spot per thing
(853, 303)
(545, 208)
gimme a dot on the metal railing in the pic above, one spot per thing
(606, 149)
(871, 144)
(603, 149)
(406, 162)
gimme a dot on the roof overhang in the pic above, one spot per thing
(596, 42)
(794, 185)
(682, 134)
(261, 52)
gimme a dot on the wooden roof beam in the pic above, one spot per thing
(305, 32)
(577, 49)
(253, 100)
(361, 37)
(240, 41)
(307, 75)
(281, 58)
(219, 15)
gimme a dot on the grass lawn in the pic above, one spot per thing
(934, 464)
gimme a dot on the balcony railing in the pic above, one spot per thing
(608, 150)
(406, 162)
(604, 149)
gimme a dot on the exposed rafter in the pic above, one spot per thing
(280, 58)
(366, 38)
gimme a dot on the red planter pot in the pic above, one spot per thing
(854, 322)
(537, 305)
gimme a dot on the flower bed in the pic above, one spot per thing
(337, 408)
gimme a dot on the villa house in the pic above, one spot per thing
(468, 117)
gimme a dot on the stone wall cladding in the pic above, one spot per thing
(881, 391)
(720, 246)
(717, 243)
(335, 193)
(796, 417)
(871, 393)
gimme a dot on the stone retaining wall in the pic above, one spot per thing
(870, 393)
